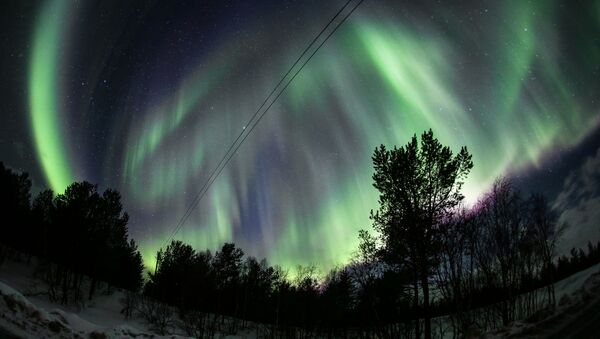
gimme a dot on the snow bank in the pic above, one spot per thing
(574, 295)
(575, 282)
(22, 318)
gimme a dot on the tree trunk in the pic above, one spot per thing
(416, 307)
(65, 287)
(427, 317)
(92, 289)
(551, 296)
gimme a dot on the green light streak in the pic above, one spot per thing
(43, 101)
(526, 118)
(143, 165)
(301, 184)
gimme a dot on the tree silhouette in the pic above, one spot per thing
(490, 264)
(227, 265)
(79, 235)
(546, 234)
(337, 300)
(419, 187)
(170, 281)
(43, 211)
(14, 206)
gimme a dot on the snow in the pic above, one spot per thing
(574, 295)
(26, 312)
(21, 317)
(29, 314)
(572, 284)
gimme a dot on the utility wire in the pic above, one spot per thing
(198, 197)
(229, 153)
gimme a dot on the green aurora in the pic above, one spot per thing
(300, 188)
(43, 99)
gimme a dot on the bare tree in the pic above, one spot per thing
(456, 270)
(498, 258)
(158, 315)
(547, 233)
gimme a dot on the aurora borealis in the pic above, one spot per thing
(146, 98)
(45, 114)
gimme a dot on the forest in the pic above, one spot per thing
(427, 257)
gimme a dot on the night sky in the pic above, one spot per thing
(146, 97)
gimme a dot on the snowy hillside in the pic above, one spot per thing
(23, 318)
(25, 311)
(577, 314)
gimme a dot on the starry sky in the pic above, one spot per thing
(146, 97)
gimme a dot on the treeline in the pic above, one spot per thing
(428, 265)
(224, 290)
(485, 266)
(578, 260)
(211, 290)
(202, 284)
(80, 236)
(492, 265)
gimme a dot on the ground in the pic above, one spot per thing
(26, 313)
(577, 314)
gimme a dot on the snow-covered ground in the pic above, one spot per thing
(578, 299)
(23, 318)
(27, 313)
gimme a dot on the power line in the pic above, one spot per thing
(231, 151)
(198, 197)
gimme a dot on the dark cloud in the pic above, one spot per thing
(579, 205)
